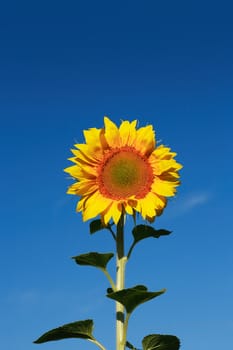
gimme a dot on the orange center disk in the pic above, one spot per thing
(125, 173)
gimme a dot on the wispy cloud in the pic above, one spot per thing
(32, 298)
(23, 297)
(187, 203)
(195, 200)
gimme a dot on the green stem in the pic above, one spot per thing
(121, 260)
(130, 250)
(112, 233)
(109, 279)
(126, 327)
(97, 343)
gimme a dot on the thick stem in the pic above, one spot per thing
(120, 284)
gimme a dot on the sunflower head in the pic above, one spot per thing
(120, 170)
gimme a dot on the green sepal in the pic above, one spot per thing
(78, 329)
(160, 342)
(97, 225)
(144, 231)
(99, 260)
(133, 297)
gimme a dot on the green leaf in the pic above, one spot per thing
(132, 297)
(94, 259)
(96, 225)
(141, 232)
(79, 329)
(160, 342)
(130, 346)
(144, 231)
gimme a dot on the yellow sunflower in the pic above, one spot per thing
(120, 170)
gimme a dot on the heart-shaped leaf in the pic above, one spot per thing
(132, 297)
(160, 342)
(79, 329)
(99, 260)
(141, 232)
(144, 231)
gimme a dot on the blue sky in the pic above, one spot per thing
(63, 66)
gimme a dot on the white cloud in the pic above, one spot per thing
(52, 298)
(195, 200)
(183, 204)
(23, 297)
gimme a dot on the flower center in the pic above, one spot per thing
(123, 173)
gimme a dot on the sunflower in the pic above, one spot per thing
(121, 171)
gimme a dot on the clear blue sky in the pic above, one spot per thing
(63, 66)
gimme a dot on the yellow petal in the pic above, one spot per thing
(145, 140)
(111, 134)
(164, 188)
(95, 205)
(116, 211)
(87, 155)
(127, 132)
(83, 188)
(163, 153)
(149, 205)
(86, 172)
(160, 166)
(128, 209)
(173, 174)
(106, 215)
(160, 151)
(81, 204)
(92, 137)
(74, 171)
